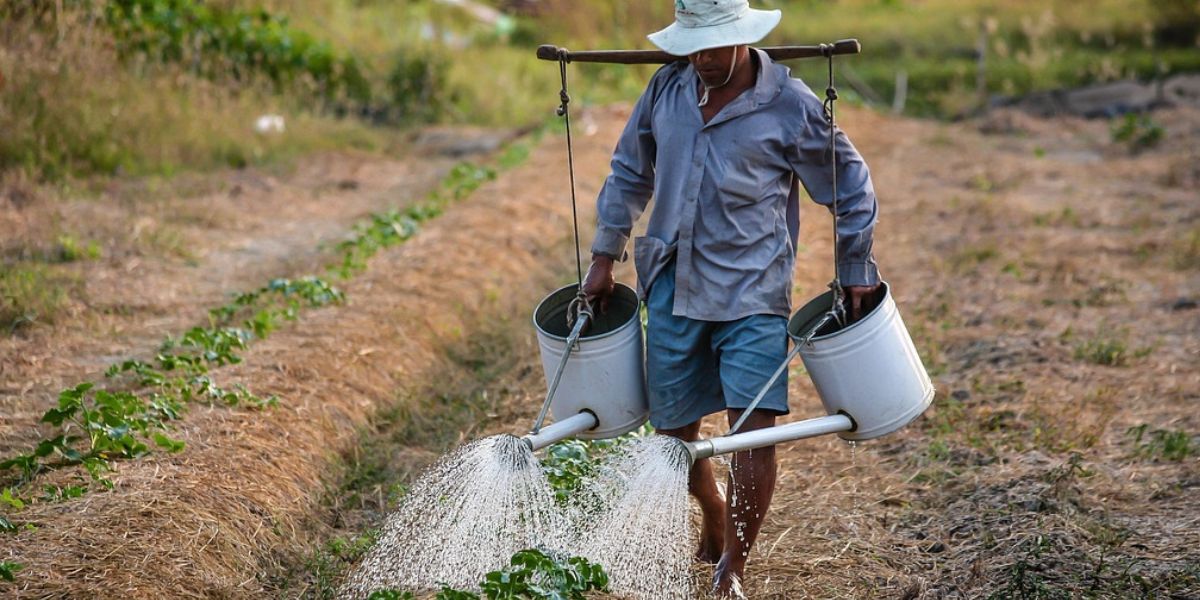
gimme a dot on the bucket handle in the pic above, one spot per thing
(800, 342)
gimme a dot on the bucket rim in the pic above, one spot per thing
(825, 300)
(587, 338)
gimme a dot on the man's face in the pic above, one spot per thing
(713, 65)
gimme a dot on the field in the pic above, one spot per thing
(249, 446)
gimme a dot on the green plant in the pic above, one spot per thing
(215, 40)
(1103, 350)
(1024, 579)
(71, 250)
(389, 228)
(417, 87)
(390, 595)
(1161, 443)
(327, 564)
(95, 427)
(34, 293)
(569, 463)
(532, 575)
(8, 570)
(566, 465)
(1187, 251)
(54, 493)
(1137, 131)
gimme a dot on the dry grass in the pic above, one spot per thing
(215, 520)
(1022, 481)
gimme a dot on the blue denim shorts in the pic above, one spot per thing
(696, 368)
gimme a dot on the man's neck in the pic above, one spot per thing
(745, 75)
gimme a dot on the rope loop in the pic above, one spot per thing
(578, 308)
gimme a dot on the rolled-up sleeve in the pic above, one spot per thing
(857, 207)
(628, 188)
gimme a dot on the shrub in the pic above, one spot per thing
(216, 41)
(417, 90)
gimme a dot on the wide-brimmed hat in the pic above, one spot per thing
(703, 24)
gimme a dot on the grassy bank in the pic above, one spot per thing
(159, 86)
(79, 98)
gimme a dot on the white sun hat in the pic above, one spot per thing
(704, 24)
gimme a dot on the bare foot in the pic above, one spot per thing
(727, 585)
(712, 544)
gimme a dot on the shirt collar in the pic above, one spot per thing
(771, 77)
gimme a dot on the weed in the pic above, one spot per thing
(1065, 216)
(71, 250)
(513, 156)
(1023, 576)
(1161, 443)
(54, 493)
(1137, 131)
(1068, 472)
(982, 183)
(8, 570)
(1187, 251)
(34, 294)
(969, 258)
(1104, 350)
(328, 564)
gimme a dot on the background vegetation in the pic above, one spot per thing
(155, 86)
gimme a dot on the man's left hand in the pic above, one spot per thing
(859, 299)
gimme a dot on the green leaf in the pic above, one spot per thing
(11, 499)
(8, 570)
(6, 526)
(390, 595)
(56, 416)
(169, 444)
(55, 493)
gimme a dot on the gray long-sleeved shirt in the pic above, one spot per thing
(725, 194)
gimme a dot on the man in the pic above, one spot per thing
(720, 142)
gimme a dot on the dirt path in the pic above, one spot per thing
(1021, 259)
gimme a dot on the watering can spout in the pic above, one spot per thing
(557, 432)
(761, 438)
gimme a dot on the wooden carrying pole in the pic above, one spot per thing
(653, 57)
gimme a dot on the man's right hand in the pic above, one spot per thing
(598, 283)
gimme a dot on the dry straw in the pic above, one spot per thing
(215, 520)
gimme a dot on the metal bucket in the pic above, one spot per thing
(605, 374)
(869, 371)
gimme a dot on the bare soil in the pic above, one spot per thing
(1023, 253)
